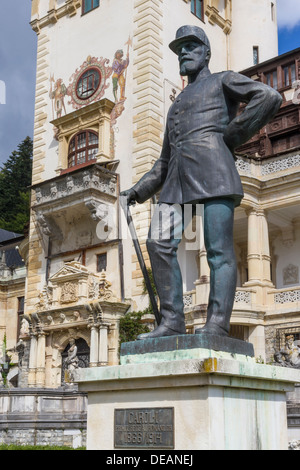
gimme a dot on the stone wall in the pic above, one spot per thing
(43, 417)
(40, 437)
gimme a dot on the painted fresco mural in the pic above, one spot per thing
(119, 67)
(58, 91)
(89, 83)
(119, 79)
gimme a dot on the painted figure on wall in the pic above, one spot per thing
(57, 95)
(119, 67)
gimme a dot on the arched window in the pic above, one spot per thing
(83, 148)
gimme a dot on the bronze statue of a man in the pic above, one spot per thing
(197, 165)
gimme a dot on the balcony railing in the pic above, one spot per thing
(243, 298)
(285, 298)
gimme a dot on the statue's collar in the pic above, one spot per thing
(205, 73)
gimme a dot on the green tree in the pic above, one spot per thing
(131, 326)
(15, 179)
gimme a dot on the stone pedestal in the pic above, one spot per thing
(190, 398)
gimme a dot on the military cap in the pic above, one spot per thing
(189, 32)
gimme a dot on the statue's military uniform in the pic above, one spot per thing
(196, 163)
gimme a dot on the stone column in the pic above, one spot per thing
(41, 360)
(202, 284)
(266, 258)
(103, 344)
(32, 361)
(253, 258)
(94, 346)
(48, 361)
(259, 260)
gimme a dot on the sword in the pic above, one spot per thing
(141, 260)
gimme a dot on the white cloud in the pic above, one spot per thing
(288, 13)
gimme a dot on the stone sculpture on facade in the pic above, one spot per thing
(19, 349)
(72, 359)
(197, 165)
(290, 356)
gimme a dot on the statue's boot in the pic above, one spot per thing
(212, 329)
(160, 331)
(168, 281)
(222, 262)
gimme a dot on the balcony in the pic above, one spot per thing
(81, 203)
(281, 135)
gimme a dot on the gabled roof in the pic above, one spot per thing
(6, 236)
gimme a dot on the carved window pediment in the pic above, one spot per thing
(69, 271)
(74, 283)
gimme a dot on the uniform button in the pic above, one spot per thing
(177, 132)
(177, 111)
(177, 122)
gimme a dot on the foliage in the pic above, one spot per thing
(131, 325)
(15, 179)
(6, 358)
(19, 447)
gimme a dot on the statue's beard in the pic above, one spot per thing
(183, 70)
(188, 67)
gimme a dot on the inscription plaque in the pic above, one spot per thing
(144, 427)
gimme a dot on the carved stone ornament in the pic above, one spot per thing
(291, 275)
(72, 283)
(71, 268)
(105, 292)
(24, 327)
(290, 356)
(69, 292)
(45, 299)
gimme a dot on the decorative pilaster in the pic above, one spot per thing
(39, 155)
(41, 360)
(32, 360)
(148, 102)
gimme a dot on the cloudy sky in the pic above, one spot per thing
(18, 56)
(17, 71)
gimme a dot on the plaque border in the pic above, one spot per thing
(137, 446)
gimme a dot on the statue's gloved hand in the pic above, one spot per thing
(128, 197)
